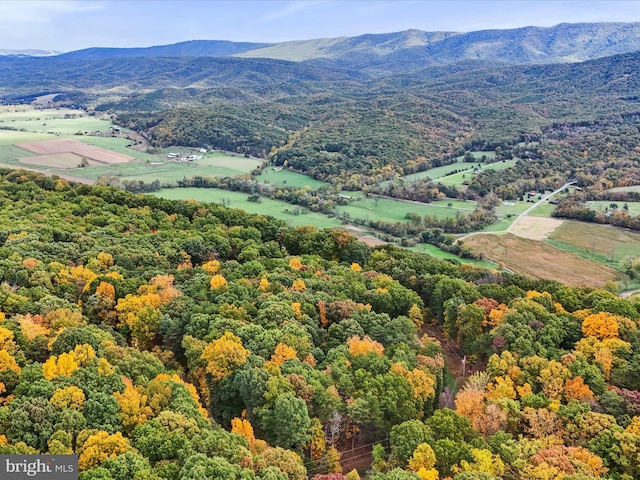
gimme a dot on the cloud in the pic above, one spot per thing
(39, 12)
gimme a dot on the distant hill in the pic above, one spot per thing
(28, 53)
(192, 48)
(64, 73)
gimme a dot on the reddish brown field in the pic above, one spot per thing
(537, 259)
(66, 145)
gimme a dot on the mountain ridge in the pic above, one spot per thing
(562, 43)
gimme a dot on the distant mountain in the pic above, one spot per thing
(402, 52)
(287, 68)
(558, 44)
(192, 48)
(28, 53)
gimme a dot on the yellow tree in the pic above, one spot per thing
(422, 462)
(317, 445)
(8, 364)
(601, 325)
(415, 314)
(470, 403)
(224, 355)
(295, 263)
(105, 260)
(218, 283)
(211, 267)
(100, 446)
(243, 427)
(133, 406)
(363, 346)
(7, 340)
(283, 353)
(70, 397)
(106, 291)
(32, 325)
(298, 285)
(264, 285)
(64, 366)
(483, 462)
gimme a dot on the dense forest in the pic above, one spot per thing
(176, 340)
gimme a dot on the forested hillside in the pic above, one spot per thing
(176, 340)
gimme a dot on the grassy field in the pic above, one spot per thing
(438, 172)
(61, 121)
(11, 137)
(390, 210)
(540, 260)
(147, 168)
(634, 207)
(443, 174)
(287, 178)
(459, 204)
(239, 200)
(500, 225)
(543, 210)
(434, 251)
(229, 161)
(512, 207)
(11, 152)
(600, 243)
(632, 188)
(457, 179)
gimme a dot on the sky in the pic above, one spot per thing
(67, 25)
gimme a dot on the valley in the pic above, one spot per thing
(77, 145)
(399, 256)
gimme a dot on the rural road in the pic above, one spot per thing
(539, 202)
(521, 215)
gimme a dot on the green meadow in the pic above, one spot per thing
(63, 121)
(634, 207)
(434, 251)
(287, 178)
(445, 176)
(293, 215)
(390, 210)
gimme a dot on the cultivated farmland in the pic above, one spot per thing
(601, 243)
(97, 155)
(537, 259)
